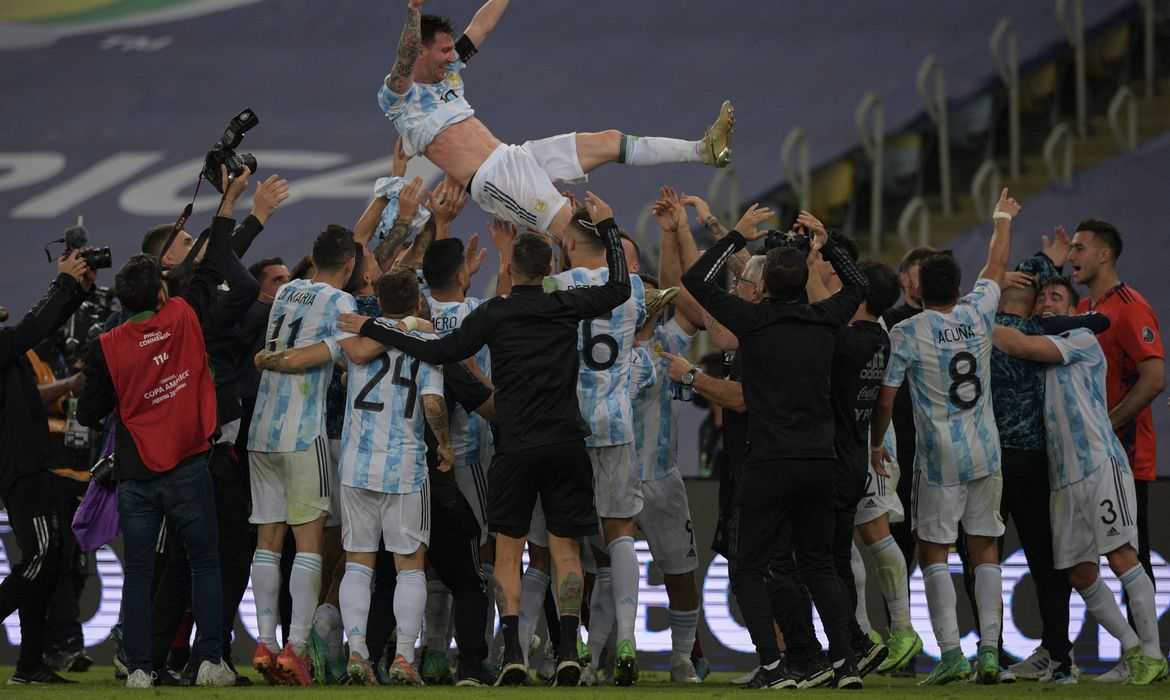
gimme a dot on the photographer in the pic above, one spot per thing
(25, 482)
(787, 349)
(153, 373)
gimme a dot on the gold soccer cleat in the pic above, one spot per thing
(717, 140)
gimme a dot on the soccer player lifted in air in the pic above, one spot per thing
(945, 354)
(423, 96)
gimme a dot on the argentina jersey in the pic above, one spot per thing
(1080, 439)
(946, 359)
(426, 109)
(382, 443)
(655, 425)
(468, 431)
(605, 345)
(290, 408)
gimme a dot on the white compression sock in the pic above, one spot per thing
(492, 585)
(683, 625)
(623, 560)
(941, 601)
(891, 571)
(436, 615)
(1140, 588)
(533, 587)
(988, 589)
(304, 583)
(327, 625)
(601, 612)
(355, 605)
(410, 597)
(862, 613)
(658, 150)
(1100, 601)
(266, 591)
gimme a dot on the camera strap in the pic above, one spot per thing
(188, 262)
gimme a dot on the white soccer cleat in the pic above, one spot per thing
(217, 675)
(682, 670)
(140, 679)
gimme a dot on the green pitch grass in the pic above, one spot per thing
(99, 683)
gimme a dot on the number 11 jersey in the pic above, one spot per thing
(290, 408)
(946, 358)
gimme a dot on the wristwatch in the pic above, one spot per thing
(688, 377)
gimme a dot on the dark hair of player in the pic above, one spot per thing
(1104, 232)
(442, 262)
(333, 248)
(398, 292)
(940, 276)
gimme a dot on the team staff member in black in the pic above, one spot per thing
(787, 349)
(25, 483)
(540, 450)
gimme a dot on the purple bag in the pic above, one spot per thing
(96, 521)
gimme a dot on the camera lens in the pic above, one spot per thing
(99, 259)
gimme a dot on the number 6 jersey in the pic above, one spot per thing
(290, 408)
(947, 360)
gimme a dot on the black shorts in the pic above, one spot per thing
(560, 474)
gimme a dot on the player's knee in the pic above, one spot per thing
(1082, 576)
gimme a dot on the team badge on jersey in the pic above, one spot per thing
(1147, 335)
(540, 206)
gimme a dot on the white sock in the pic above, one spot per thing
(304, 583)
(533, 587)
(492, 585)
(410, 597)
(862, 613)
(327, 624)
(436, 615)
(891, 571)
(601, 612)
(266, 591)
(658, 150)
(1100, 601)
(940, 601)
(1140, 588)
(989, 603)
(355, 605)
(683, 625)
(623, 560)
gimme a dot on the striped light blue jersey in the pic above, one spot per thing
(290, 408)
(1080, 439)
(382, 443)
(947, 360)
(655, 414)
(468, 432)
(605, 346)
(426, 109)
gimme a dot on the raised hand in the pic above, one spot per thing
(1012, 278)
(1008, 204)
(574, 203)
(672, 216)
(447, 201)
(677, 366)
(73, 265)
(474, 260)
(1057, 250)
(598, 210)
(410, 199)
(269, 195)
(702, 210)
(820, 235)
(753, 217)
(502, 234)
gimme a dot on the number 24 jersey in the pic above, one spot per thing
(946, 358)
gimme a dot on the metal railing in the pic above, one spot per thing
(873, 142)
(915, 210)
(798, 175)
(1009, 72)
(1074, 31)
(1060, 138)
(1127, 134)
(729, 215)
(985, 189)
(931, 84)
(1148, 19)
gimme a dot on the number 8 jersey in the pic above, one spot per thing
(290, 408)
(947, 360)
(605, 345)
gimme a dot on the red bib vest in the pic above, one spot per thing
(166, 396)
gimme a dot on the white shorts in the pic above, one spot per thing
(516, 183)
(334, 519)
(617, 486)
(538, 529)
(938, 510)
(881, 497)
(401, 520)
(291, 487)
(472, 482)
(1093, 516)
(666, 521)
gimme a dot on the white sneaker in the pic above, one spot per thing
(140, 679)
(588, 675)
(1034, 667)
(744, 680)
(217, 675)
(682, 670)
(548, 665)
(1119, 674)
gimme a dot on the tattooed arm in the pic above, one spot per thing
(400, 78)
(436, 411)
(387, 250)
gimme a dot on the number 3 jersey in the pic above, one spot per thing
(946, 358)
(605, 345)
(382, 443)
(290, 408)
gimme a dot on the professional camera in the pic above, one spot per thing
(76, 238)
(796, 238)
(87, 323)
(224, 151)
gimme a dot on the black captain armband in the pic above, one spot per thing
(465, 48)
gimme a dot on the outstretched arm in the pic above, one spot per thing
(1030, 347)
(734, 313)
(400, 78)
(485, 21)
(1001, 240)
